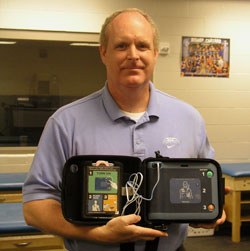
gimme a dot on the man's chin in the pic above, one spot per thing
(134, 82)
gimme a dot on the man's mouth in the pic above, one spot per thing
(132, 68)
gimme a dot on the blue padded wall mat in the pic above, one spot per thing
(12, 220)
(12, 181)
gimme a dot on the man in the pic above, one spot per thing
(130, 117)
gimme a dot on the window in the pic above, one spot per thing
(40, 73)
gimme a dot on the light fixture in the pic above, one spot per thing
(7, 42)
(84, 44)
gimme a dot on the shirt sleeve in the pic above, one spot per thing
(45, 175)
(206, 150)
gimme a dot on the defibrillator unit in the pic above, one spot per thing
(162, 190)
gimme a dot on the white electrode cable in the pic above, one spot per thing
(135, 184)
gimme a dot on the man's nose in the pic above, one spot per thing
(133, 53)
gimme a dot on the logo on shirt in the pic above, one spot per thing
(171, 142)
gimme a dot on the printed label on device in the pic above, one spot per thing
(102, 184)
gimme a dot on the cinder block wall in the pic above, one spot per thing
(224, 103)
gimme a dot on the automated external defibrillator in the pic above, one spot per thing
(162, 190)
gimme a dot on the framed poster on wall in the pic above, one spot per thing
(205, 57)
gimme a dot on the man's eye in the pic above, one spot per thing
(143, 46)
(121, 46)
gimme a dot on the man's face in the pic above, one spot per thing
(130, 55)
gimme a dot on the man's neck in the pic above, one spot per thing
(132, 100)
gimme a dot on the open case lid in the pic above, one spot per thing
(74, 187)
(74, 179)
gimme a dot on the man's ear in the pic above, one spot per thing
(156, 55)
(102, 51)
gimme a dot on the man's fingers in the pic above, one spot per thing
(222, 219)
(124, 229)
(212, 225)
(131, 219)
(144, 232)
(146, 238)
(227, 190)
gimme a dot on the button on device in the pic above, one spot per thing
(211, 207)
(210, 174)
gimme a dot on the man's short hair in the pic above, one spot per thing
(109, 19)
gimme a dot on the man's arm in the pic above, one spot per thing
(47, 215)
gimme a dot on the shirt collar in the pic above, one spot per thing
(114, 111)
(153, 105)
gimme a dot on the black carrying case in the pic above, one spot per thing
(74, 187)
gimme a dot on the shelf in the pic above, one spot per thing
(245, 219)
(245, 202)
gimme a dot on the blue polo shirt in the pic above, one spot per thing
(96, 125)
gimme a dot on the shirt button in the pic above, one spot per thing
(138, 142)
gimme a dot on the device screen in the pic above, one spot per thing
(186, 190)
(102, 197)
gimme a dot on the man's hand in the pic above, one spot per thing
(218, 222)
(212, 225)
(123, 229)
(47, 215)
